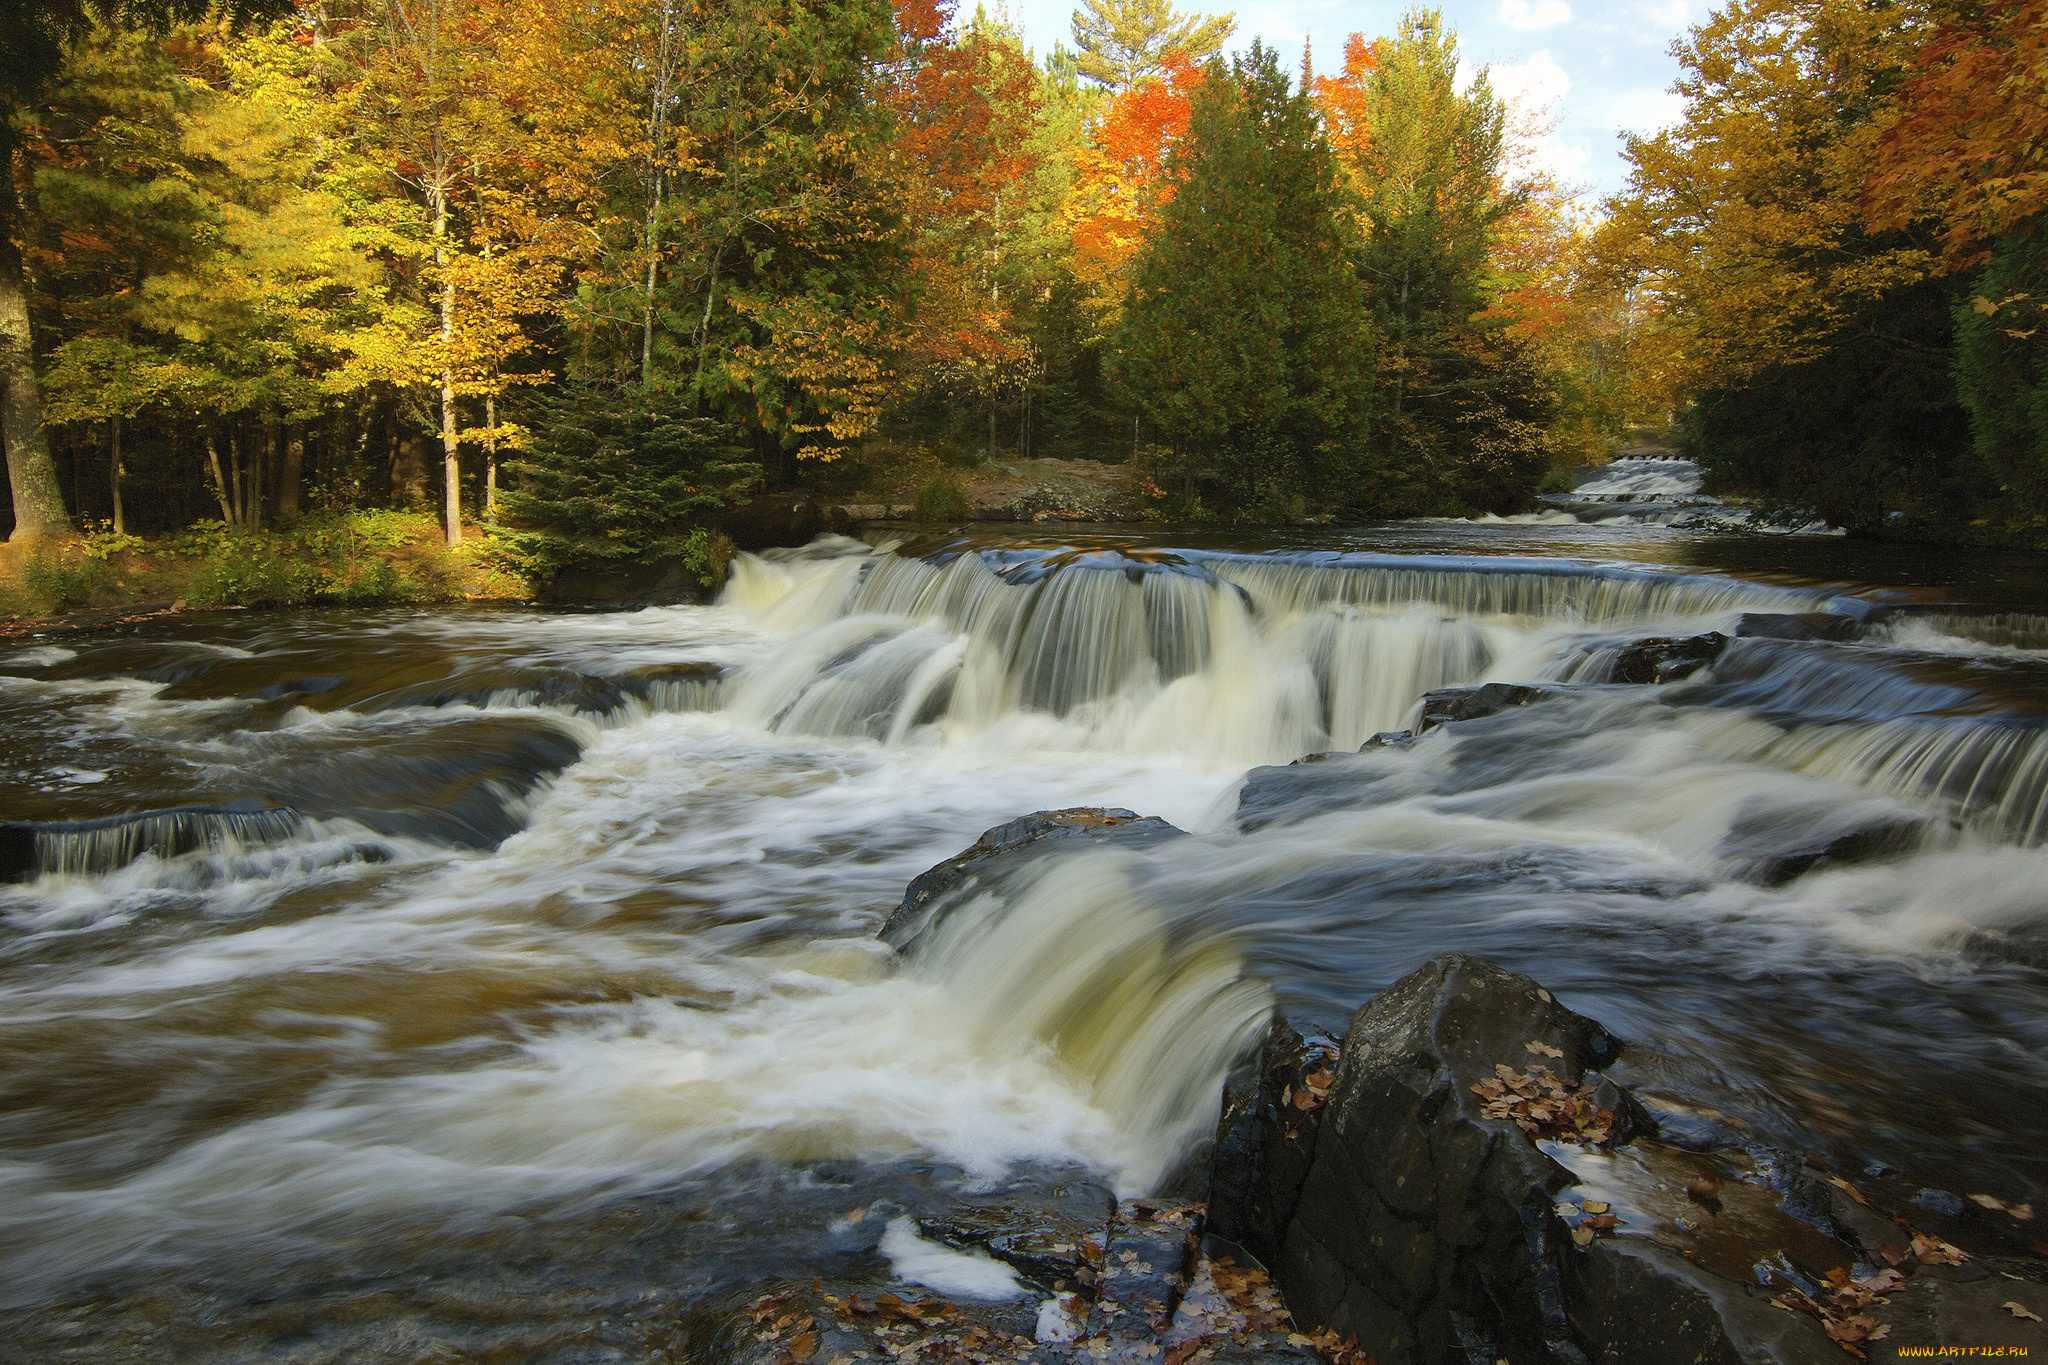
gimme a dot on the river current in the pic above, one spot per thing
(356, 953)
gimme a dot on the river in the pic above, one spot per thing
(489, 975)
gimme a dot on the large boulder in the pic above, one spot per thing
(1424, 1227)
(1409, 1190)
(664, 582)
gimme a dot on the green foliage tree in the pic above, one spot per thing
(2000, 375)
(1245, 342)
(1124, 42)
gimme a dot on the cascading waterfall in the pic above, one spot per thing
(598, 917)
(1229, 656)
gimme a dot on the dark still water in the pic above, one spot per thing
(475, 975)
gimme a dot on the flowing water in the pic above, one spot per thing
(405, 949)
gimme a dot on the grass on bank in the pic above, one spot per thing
(353, 558)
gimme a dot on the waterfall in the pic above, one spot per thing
(91, 847)
(1241, 657)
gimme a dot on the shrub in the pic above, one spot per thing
(62, 577)
(941, 500)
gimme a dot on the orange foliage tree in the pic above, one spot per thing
(964, 104)
(1969, 145)
(1122, 181)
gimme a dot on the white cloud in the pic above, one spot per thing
(1533, 86)
(1543, 14)
(1533, 90)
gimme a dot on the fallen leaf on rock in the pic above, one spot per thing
(1893, 1252)
(2020, 1310)
(1338, 1351)
(1846, 1188)
(1543, 1049)
(1539, 1102)
(1598, 1206)
(1583, 1235)
(1986, 1201)
(1841, 1307)
(803, 1347)
(1179, 1354)
(1933, 1251)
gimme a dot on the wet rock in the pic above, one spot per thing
(1631, 1300)
(1266, 1136)
(936, 887)
(1389, 739)
(789, 518)
(1149, 1253)
(1054, 1240)
(1449, 704)
(1940, 1202)
(1663, 660)
(1806, 625)
(1772, 850)
(1947, 1306)
(1422, 1226)
(17, 851)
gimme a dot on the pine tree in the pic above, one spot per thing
(1426, 165)
(1245, 341)
(1126, 42)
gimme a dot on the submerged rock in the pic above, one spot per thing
(931, 890)
(1805, 625)
(1663, 659)
(1449, 704)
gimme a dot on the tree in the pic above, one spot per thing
(1124, 43)
(1967, 145)
(1463, 406)
(1816, 338)
(33, 38)
(1747, 217)
(617, 473)
(1245, 340)
(1120, 182)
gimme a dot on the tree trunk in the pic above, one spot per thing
(238, 467)
(490, 456)
(451, 445)
(291, 475)
(220, 483)
(647, 301)
(31, 473)
(114, 472)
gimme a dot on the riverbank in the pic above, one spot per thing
(357, 558)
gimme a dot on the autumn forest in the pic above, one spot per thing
(588, 271)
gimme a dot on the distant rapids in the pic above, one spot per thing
(348, 945)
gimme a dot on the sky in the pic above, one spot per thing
(1601, 67)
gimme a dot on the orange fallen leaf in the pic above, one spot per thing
(2020, 1310)
(1934, 1251)
(1543, 1049)
(1846, 1188)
